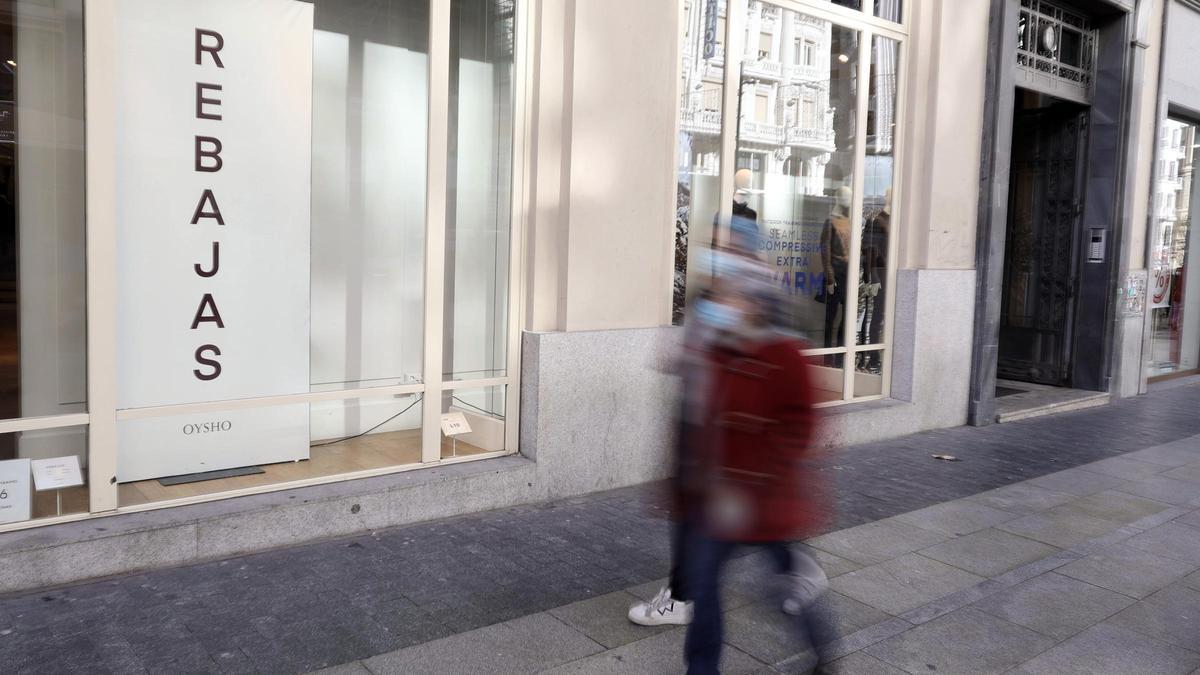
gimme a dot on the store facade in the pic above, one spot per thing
(380, 262)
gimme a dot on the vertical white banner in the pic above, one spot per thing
(213, 180)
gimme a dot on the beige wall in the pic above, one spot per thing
(601, 223)
(946, 67)
(1144, 135)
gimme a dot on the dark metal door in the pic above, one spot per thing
(1041, 256)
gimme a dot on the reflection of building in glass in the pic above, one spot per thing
(1172, 192)
(785, 112)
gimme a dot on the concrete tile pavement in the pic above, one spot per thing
(1127, 600)
(305, 608)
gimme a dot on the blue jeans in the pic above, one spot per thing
(704, 561)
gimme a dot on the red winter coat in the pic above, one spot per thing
(746, 476)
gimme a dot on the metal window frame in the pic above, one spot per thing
(101, 251)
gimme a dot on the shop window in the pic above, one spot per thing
(341, 300)
(828, 239)
(43, 311)
(43, 289)
(45, 476)
(1173, 300)
(479, 207)
(698, 184)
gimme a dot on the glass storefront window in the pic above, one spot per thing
(698, 190)
(45, 476)
(352, 295)
(796, 175)
(877, 194)
(1173, 300)
(482, 411)
(43, 337)
(370, 98)
(478, 225)
(810, 117)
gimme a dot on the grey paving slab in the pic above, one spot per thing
(1059, 527)
(862, 663)
(832, 565)
(1106, 649)
(648, 590)
(604, 619)
(1023, 498)
(957, 517)
(1124, 467)
(1190, 473)
(523, 645)
(1131, 571)
(990, 552)
(1172, 614)
(763, 631)
(1191, 519)
(354, 668)
(662, 653)
(1164, 489)
(1171, 455)
(1192, 581)
(1115, 505)
(953, 602)
(876, 542)
(903, 583)
(1077, 482)
(965, 641)
(1171, 540)
(1054, 605)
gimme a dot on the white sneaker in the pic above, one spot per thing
(662, 610)
(805, 590)
(807, 583)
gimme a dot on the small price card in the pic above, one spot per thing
(454, 424)
(15, 497)
(56, 473)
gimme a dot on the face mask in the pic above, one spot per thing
(718, 315)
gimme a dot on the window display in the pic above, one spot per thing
(1173, 297)
(282, 308)
(816, 175)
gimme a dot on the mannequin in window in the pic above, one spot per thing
(742, 180)
(874, 254)
(835, 257)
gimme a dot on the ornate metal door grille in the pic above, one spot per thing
(1056, 51)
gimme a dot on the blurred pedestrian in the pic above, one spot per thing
(741, 462)
(672, 605)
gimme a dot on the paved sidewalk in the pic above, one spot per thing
(309, 607)
(1090, 570)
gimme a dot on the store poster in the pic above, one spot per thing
(1160, 287)
(213, 117)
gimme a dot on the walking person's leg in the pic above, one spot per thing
(704, 559)
(673, 603)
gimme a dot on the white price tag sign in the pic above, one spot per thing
(454, 424)
(15, 498)
(56, 473)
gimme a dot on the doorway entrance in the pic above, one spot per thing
(1042, 242)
